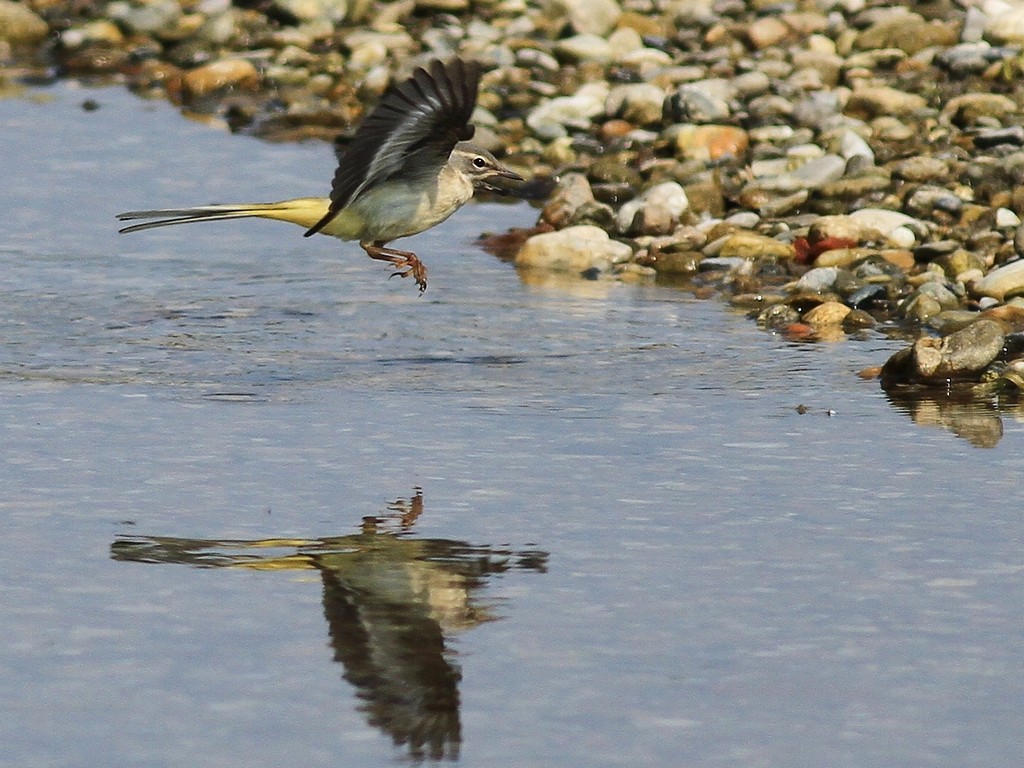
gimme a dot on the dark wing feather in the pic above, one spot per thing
(417, 123)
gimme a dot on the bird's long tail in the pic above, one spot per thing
(304, 211)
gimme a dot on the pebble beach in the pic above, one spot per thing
(831, 168)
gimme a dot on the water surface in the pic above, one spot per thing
(263, 506)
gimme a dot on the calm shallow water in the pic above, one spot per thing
(262, 506)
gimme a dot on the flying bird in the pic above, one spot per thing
(409, 166)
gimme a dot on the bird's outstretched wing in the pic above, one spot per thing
(417, 123)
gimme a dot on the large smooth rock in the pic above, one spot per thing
(575, 249)
(1004, 281)
(961, 356)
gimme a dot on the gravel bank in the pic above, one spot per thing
(830, 166)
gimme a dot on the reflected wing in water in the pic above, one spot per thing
(394, 653)
(390, 601)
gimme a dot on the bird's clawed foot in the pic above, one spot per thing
(405, 263)
(415, 270)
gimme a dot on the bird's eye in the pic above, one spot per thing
(479, 162)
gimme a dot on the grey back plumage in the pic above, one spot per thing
(415, 125)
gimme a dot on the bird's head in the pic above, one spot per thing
(482, 168)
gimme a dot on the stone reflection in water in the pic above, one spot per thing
(976, 419)
(391, 600)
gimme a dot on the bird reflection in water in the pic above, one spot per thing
(391, 600)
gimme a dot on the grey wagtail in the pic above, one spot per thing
(408, 167)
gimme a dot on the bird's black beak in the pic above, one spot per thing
(502, 180)
(507, 173)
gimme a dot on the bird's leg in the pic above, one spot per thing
(402, 260)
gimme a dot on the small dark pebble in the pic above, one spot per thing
(613, 191)
(930, 251)
(778, 317)
(1013, 347)
(858, 320)
(721, 263)
(867, 296)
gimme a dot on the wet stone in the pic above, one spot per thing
(818, 280)
(573, 192)
(640, 103)
(867, 296)
(921, 169)
(830, 313)
(156, 18)
(574, 249)
(835, 228)
(585, 47)
(1011, 318)
(867, 102)
(710, 142)
(972, 108)
(655, 212)
(858, 320)
(920, 307)
(612, 170)
(550, 119)
(1005, 218)
(707, 196)
(331, 10)
(230, 73)
(889, 224)
(673, 262)
(928, 201)
(767, 31)
(632, 272)
(960, 261)
(842, 257)
(851, 145)
(748, 245)
(693, 104)
(951, 320)
(596, 17)
(1007, 280)
(772, 206)
(819, 171)
(778, 317)
(934, 250)
(614, 192)
(723, 264)
(881, 141)
(968, 58)
(909, 32)
(962, 355)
